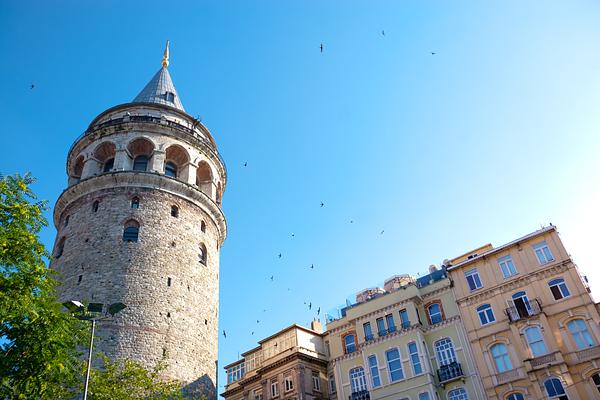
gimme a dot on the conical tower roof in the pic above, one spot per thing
(161, 89)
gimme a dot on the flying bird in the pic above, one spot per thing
(381, 233)
(310, 305)
(293, 235)
(279, 255)
(351, 221)
(322, 204)
(246, 164)
(257, 321)
(319, 311)
(271, 281)
(433, 53)
(312, 266)
(224, 334)
(32, 86)
(321, 47)
(252, 333)
(383, 32)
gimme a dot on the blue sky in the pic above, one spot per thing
(494, 135)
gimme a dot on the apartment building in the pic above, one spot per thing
(404, 341)
(289, 365)
(530, 319)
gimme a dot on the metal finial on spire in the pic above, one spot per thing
(165, 60)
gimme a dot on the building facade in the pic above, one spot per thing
(405, 341)
(141, 223)
(530, 319)
(290, 364)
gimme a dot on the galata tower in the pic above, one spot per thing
(141, 223)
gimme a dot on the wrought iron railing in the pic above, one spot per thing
(450, 372)
(360, 395)
(533, 308)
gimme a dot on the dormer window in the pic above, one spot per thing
(170, 97)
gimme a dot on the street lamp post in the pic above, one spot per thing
(93, 312)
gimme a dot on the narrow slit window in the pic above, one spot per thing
(135, 203)
(174, 211)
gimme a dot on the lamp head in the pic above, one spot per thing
(115, 308)
(73, 306)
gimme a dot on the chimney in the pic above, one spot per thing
(316, 326)
(432, 269)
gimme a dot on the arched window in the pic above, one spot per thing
(394, 365)
(170, 97)
(131, 231)
(95, 206)
(554, 389)
(202, 253)
(535, 339)
(486, 314)
(596, 381)
(515, 396)
(458, 394)
(140, 163)
(171, 169)
(67, 221)
(78, 168)
(559, 289)
(358, 383)
(203, 226)
(108, 165)
(522, 306)
(435, 313)
(174, 211)
(135, 202)
(501, 358)
(349, 344)
(60, 248)
(581, 335)
(444, 350)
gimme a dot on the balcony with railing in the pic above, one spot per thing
(360, 395)
(544, 361)
(450, 372)
(528, 310)
(508, 376)
(588, 354)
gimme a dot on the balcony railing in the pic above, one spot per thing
(360, 395)
(382, 332)
(450, 372)
(588, 354)
(405, 324)
(369, 337)
(508, 376)
(544, 361)
(517, 313)
(392, 329)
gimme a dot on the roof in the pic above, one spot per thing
(504, 246)
(159, 91)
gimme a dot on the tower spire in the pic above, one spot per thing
(165, 60)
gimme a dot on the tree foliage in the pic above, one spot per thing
(38, 357)
(128, 380)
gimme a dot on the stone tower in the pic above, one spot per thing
(141, 223)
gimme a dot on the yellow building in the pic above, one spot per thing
(291, 364)
(405, 341)
(530, 319)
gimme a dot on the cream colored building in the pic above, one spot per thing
(405, 341)
(290, 364)
(530, 319)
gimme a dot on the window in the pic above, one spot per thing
(543, 253)
(174, 211)
(559, 289)
(394, 365)
(473, 279)
(444, 350)
(95, 206)
(596, 380)
(202, 253)
(108, 165)
(140, 163)
(536, 341)
(171, 169)
(203, 226)
(60, 247)
(390, 323)
(332, 388)
(288, 384)
(501, 358)
(458, 394)
(367, 330)
(358, 383)
(274, 389)
(580, 333)
(168, 281)
(404, 321)
(522, 305)
(67, 221)
(235, 373)
(415, 360)
(170, 97)
(316, 381)
(257, 394)
(507, 266)
(435, 313)
(486, 314)
(131, 231)
(381, 331)
(424, 396)
(554, 389)
(374, 371)
(349, 344)
(135, 203)
(515, 396)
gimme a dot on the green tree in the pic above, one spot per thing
(128, 380)
(38, 357)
